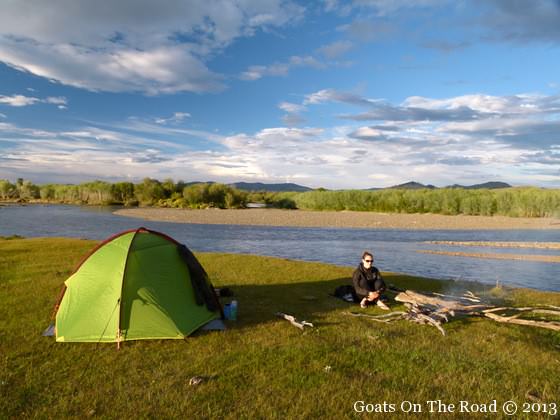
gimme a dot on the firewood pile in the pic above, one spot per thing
(436, 309)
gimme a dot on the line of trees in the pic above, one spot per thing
(149, 192)
(514, 202)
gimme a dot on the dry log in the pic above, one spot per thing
(529, 309)
(494, 310)
(546, 312)
(470, 294)
(469, 298)
(551, 325)
(434, 310)
(441, 316)
(420, 299)
(426, 315)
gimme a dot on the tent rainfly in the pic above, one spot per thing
(136, 285)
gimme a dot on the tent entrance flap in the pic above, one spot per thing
(199, 280)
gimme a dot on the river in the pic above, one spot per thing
(395, 249)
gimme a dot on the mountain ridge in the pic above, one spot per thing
(410, 185)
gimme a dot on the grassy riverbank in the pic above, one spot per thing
(261, 366)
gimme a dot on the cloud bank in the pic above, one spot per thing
(131, 45)
(462, 139)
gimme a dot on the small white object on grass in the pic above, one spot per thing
(196, 380)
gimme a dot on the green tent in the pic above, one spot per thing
(136, 285)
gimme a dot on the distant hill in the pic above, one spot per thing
(492, 185)
(412, 185)
(188, 184)
(259, 186)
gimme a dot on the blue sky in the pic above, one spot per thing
(356, 94)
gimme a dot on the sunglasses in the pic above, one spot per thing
(368, 260)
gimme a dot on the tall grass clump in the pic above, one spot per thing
(514, 202)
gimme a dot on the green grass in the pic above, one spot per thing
(261, 366)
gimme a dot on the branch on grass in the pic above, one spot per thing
(392, 316)
(423, 319)
(551, 325)
(299, 324)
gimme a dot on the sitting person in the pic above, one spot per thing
(368, 283)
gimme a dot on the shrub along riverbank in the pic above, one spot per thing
(512, 202)
(262, 366)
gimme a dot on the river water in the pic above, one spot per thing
(395, 249)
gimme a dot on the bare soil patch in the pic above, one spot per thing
(342, 219)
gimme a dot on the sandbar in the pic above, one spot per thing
(338, 219)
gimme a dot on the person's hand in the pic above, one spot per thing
(373, 295)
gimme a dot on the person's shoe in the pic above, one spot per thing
(363, 303)
(382, 305)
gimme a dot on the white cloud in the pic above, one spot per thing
(521, 20)
(142, 23)
(58, 100)
(177, 117)
(21, 100)
(293, 120)
(154, 71)
(18, 100)
(391, 6)
(380, 7)
(258, 72)
(368, 30)
(336, 49)
(132, 45)
(333, 95)
(280, 69)
(291, 107)
(531, 120)
(293, 111)
(446, 46)
(516, 104)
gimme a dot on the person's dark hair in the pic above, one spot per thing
(366, 253)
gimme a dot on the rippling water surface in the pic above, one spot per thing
(394, 249)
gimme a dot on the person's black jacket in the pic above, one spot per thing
(366, 281)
